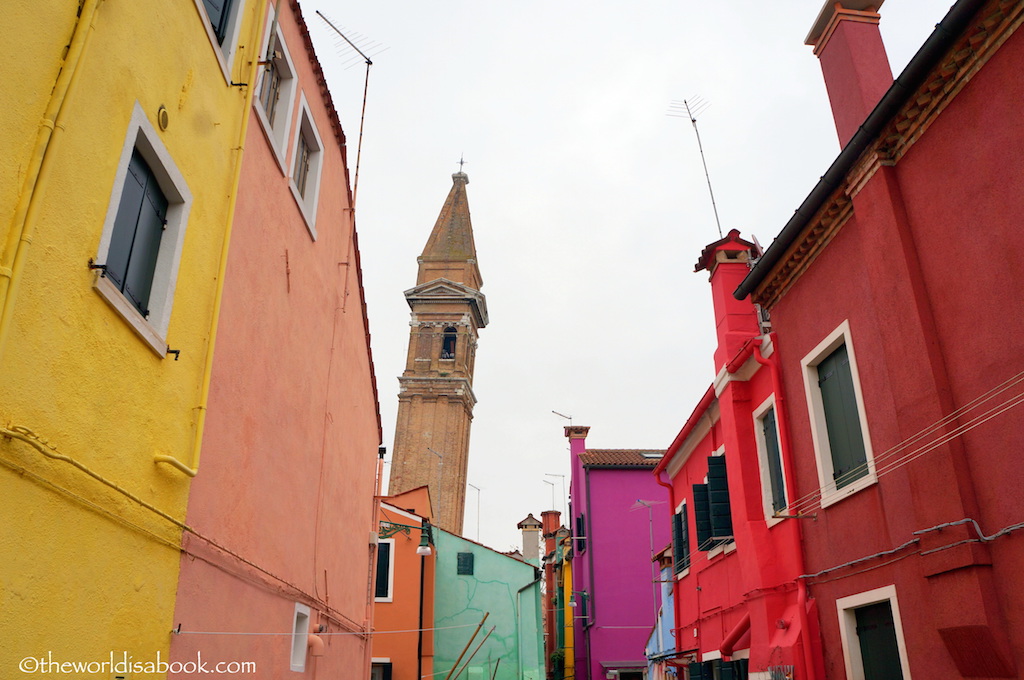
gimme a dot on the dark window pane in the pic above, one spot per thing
(464, 564)
(219, 12)
(718, 498)
(879, 649)
(383, 569)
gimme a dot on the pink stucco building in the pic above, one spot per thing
(287, 480)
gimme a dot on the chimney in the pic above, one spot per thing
(735, 320)
(577, 436)
(849, 46)
(531, 527)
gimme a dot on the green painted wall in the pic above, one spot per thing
(515, 649)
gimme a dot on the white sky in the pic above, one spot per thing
(589, 203)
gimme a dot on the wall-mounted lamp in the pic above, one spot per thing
(426, 540)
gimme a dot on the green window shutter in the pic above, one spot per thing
(839, 403)
(718, 498)
(383, 568)
(702, 517)
(464, 564)
(774, 456)
(680, 542)
(138, 230)
(581, 534)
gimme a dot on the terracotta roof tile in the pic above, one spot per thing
(622, 457)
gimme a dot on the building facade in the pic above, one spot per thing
(614, 600)
(284, 496)
(436, 399)
(117, 189)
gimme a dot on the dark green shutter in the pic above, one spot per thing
(383, 569)
(219, 12)
(839, 403)
(680, 542)
(138, 230)
(879, 649)
(581, 534)
(772, 453)
(701, 670)
(464, 564)
(718, 498)
(702, 517)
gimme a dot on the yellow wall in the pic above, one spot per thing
(87, 571)
(570, 614)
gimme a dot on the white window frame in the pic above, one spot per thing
(279, 133)
(762, 460)
(306, 128)
(390, 597)
(300, 637)
(225, 53)
(846, 610)
(819, 430)
(143, 136)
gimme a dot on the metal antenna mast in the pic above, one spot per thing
(699, 106)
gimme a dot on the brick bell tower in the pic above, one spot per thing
(435, 398)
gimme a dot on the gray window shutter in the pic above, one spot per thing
(219, 12)
(838, 400)
(718, 498)
(774, 456)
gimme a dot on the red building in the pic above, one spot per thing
(739, 603)
(894, 308)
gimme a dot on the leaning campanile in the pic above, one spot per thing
(435, 399)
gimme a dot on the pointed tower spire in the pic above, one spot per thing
(435, 399)
(450, 252)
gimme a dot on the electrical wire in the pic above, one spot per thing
(290, 634)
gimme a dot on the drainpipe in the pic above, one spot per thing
(19, 238)
(204, 396)
(773, 365)
(734, 635)
(519, 635)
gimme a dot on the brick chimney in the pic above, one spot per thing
(849, 46)
(735, 320)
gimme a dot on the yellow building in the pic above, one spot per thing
(122, 138)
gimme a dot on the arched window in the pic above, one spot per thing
(448, 345)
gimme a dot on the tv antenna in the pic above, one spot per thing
(693, 107)
(368, 46)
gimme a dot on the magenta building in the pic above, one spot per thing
(615, 503)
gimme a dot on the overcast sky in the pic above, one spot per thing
(589, 203)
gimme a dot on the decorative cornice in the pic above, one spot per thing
(994, 24)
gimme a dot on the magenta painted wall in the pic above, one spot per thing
(615, 568)
(287, 474)
(928, 277)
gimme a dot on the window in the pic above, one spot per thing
(712, 513)
(385, 571)
(838, 426)
(717, 669)
(143, 234)
(306, 167)
(380, 670)
(773, 481)
(276, 93)
(464, 564)
(680, 541)
(872, 635)
(222, 27)
(581, 534)
(448, 343)
(300, 637)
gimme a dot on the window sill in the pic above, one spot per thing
(682, 574)
(832, 497)
(127, 311)
(722, 549)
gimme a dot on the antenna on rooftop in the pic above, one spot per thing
(366, 85)
(693, 107)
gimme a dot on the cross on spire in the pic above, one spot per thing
(461, 161)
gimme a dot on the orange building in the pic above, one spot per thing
(404, 589)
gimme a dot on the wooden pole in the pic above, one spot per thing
(468, 643)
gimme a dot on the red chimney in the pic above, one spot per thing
(735, 320)
(849, 46)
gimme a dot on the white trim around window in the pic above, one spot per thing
(819, 429)
(277, 122)
(225, 52)
(307, 196)
(846, 609)
(762, 460)
(390, 542)
(300, 638)
(143, 136)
